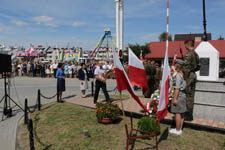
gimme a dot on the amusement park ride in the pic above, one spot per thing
(118, 45)
(102, 49)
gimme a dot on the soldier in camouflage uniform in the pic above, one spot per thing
(191, 65)
(150, 70)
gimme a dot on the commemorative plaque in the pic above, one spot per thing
(204, 69)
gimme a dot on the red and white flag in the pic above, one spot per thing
(137, 72)
(123, 82)
(164, 90)
(174, 61)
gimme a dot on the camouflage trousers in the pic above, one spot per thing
(151, 85)
(190, 91)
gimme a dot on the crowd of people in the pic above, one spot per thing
(99, 70)
(48, 69)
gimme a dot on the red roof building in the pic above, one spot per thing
(158, 49)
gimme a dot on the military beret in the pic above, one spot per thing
(188, 40)
(179, 61)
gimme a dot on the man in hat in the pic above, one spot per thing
(191, 65)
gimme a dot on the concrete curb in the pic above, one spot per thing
(16, 129)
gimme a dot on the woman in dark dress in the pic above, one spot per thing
(60, 81)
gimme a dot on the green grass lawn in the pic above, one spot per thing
(60, 127)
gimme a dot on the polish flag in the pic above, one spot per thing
(164, 90)
(137, 72)
(174, 61)
(123, 82)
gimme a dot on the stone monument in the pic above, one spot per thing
(210, 90)
(209, 61)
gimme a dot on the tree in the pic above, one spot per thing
(162, 37)
(136, 48)
(220, 38)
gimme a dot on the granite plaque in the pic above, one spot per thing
(204, 69)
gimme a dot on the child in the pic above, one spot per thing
(179, 101)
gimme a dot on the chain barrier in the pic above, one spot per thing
(48, 97)
(35, 107)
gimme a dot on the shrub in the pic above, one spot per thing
(148, 124)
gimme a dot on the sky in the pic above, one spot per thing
(82, 22)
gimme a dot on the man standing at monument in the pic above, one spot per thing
(191, 65)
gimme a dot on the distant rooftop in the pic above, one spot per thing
(196, 36)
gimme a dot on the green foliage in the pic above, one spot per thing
(136, 48)
(107, 110)
(162, 37)
(148, 124)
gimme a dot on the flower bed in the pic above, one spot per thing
(107, 110)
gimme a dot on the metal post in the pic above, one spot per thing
(92, 88)
(31, 136)
(25, 112)
(39, 100)
(57, 96)
(205, 38)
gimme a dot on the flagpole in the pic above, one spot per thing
(122, 106)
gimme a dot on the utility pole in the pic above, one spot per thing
(119, 24)
(205, 38)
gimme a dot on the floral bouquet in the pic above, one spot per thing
(154, 100)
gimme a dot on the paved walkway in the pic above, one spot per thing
(8, 130)
(132, 106)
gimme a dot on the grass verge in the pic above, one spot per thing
(60, 127)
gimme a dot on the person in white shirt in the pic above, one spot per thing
(100, 82)
(55, 67)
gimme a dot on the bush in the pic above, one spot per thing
(148, 124)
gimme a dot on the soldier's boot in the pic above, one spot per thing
(188, 116)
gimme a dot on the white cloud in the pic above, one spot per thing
(45, 20)
(78, 24)
(42, 19)
(19, 23)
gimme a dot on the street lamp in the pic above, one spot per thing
(205, 38)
